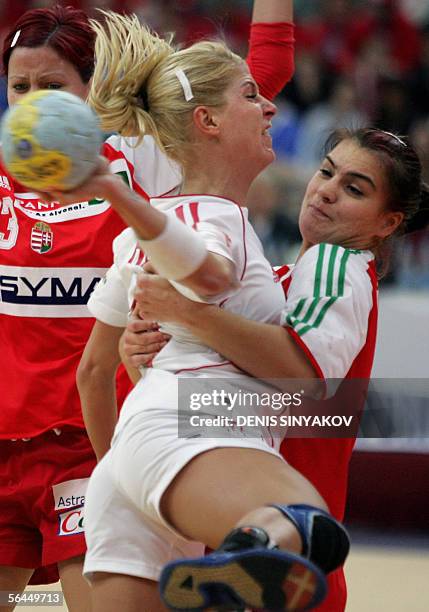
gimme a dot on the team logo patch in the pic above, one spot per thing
(71, 522)
(69, 497)
(41, 237)
(70, 494)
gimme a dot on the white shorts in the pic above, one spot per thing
(125, 530)
(123, 540)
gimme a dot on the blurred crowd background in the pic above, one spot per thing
(358, 62)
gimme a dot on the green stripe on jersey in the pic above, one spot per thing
(325, 286)
(319, 270)
(331, 266)
(342, 273)
(320, 316)
(296, 312)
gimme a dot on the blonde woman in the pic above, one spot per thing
(148, 501)
(271, 63)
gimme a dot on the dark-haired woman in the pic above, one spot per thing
(51, 258)
(331, 294)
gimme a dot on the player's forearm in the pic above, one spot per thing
(100, 421)
(265, 351)
(135, 211)
(175, 250)
(99, 414)
(134, 374)
(96, 383)
(271, 11)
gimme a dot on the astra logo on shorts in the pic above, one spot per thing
(71, 522)
(70, 495)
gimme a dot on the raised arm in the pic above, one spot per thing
(272, 11)
(271, 45)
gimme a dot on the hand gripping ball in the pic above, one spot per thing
(50, 139)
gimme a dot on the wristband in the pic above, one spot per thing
(177, 252)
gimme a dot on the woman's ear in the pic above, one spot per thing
(392, 221)
(206, 120)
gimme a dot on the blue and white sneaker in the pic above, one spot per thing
(245, 572)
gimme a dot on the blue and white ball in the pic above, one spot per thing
(50, 139)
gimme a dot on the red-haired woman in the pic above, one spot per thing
(52, 257)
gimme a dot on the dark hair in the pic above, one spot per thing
(403, 169)
(65, 29)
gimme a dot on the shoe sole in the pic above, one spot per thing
(260, 579)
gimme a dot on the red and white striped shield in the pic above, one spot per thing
(41, 237)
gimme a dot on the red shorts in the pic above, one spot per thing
(42, 492)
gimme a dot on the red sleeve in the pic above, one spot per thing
(271, 56)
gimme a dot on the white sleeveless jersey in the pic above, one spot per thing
(225, 228)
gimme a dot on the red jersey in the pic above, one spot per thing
(325, 462)
(51, 258)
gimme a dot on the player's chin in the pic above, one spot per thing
(272, 154)
(264, 157)
(269, 155)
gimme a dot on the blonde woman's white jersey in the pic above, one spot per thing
(225, 228)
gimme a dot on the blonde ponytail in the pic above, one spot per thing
(142, 85)
(126, 54)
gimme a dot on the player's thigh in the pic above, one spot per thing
(113, 592)
(77, 592)
(121, 538)
(214, 490)
(13, 579)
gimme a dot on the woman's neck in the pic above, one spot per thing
(221, 189)
(216, 175)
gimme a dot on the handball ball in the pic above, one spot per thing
(50, 139)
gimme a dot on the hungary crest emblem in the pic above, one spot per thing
(41, 237)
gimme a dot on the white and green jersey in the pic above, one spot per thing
(329, 300)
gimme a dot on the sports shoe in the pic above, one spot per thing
(243, 573)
